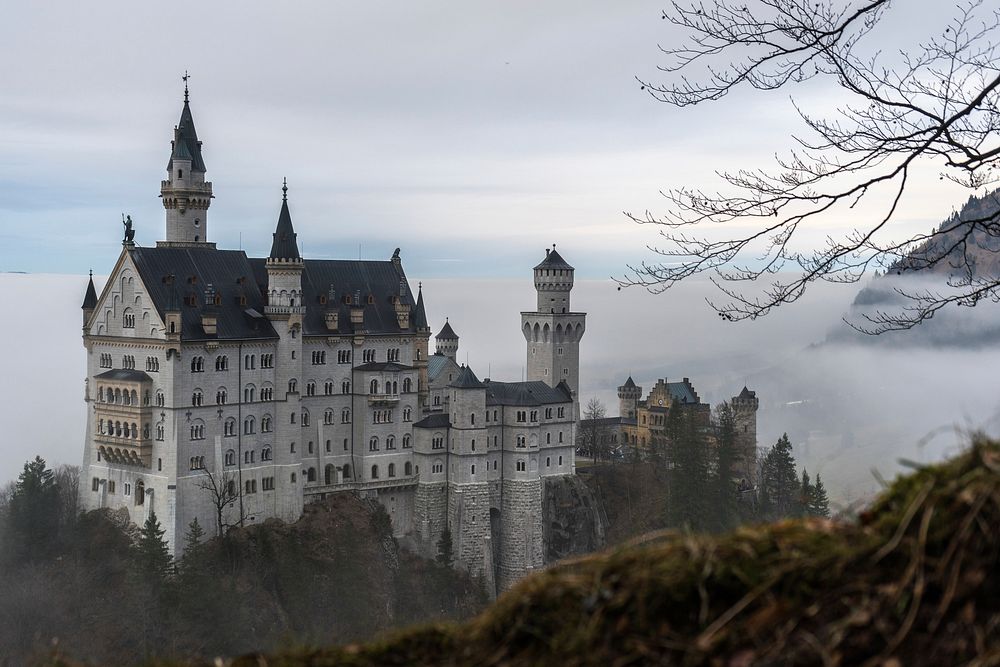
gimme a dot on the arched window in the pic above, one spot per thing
(140, 492)
(248, 425)
(197, 364)
(345, 416)
(407, 414)
(347, 471)
(406, 441)
(230, 457)
(128, 319)
(328, 474)
(221, 396)
(390, 443)
(406, 385)
(392, 470)
(265, 424)
(345, 387)
(265, 454)
(305, 418)
(293, 386)
(311, 475)
(197, 398)
(373, 387)
(328, 416)
(375, 472)
(373, 444)
(407, 468)
(310, 388)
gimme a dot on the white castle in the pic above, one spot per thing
(233, 389)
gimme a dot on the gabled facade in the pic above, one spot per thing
(232, 389)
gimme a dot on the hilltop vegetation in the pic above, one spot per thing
(912, 583)
(104, 591)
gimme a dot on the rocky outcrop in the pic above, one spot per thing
(573, 520)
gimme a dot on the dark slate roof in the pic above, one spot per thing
(629, 383)
(553, 260)
(602, 421)
(467, 380)
(284, 246)
(186, 145)
(683, 392)
(390, 366)
(208, 266)
(447, 333)
(534, 392)
(420, 315)
(746, 393)
(323, 278)
(436, 420)
(90, 298)
(436, 364)
(124, 375)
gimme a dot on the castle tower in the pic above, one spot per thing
(186, 194)
(446, 342)
(421, 347)
(745, 408)
(629, 396)
(468, 486)
(89, 301)
(285, 310)
(553, 331)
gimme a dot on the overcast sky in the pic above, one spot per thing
(470, 134)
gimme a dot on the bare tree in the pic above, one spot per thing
(931, 109)
(595, 431)
(224, 490)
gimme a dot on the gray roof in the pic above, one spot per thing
(436, 364)
(390, 366)
(467, 380)
(284, 246)
(746, 393)
(185, 144)
(447, 333)
(352, 278)
(90, 298)
(124, 375)
(194, 269)
(553, 260)
(435, 420)
(629, 383)
(683, 391)
(531, 393)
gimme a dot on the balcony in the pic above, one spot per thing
(125, 451)
(383, 399)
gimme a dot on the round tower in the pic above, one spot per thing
(553, 283)
(446, 342)
(745, 410)
(185, 193)
(628, 399)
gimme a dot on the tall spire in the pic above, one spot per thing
(420, 315)
(185, 193)
(90, 298)
(186, 77)
(284, 245)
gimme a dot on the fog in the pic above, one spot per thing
(849, 408)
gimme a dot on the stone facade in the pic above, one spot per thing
(256, 384)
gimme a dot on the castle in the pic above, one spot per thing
(232, 389)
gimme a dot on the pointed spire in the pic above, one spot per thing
(466, 380)
(90, 299)
(447, 333)
(186, 145)
(420, 315)
(284, 245)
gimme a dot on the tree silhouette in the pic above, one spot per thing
(930, 110)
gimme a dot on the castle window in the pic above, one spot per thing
(159, 432)
(267, 361)
(560, 460)
(327, 446)
(437, 468)
(197, 364)
(472, 417)
(473, 469)
(220, 397)
(560, 436)
(392, 470)
(373, 387)
(407, 414)
(248, 426)
(250, 486)
(310, 388)
(390, 443)
(561, 413)
(344, 357)
(521, 467)
(267, 484)
(222, 363)
(305, 418)
(437, 442)
(198, 431)
(521, 442)
(406, 441)
(95, 484)
(265, 454)
(345, 387)
(373, 444)
(111, 486)
(374, 472)
(293, 386)
(309, 447)
(345, 416)
(548, 438)
(128, 319)
(548, 413)
(328, 416)
(159, 399)
(267, 394)
(293, 478)
(407, 385)
(180, 173)
(248, 393)
(407, 468)
(327, 388)
(140, 492)
(548, 461)
(128, 489)
(229, 428)
(522, 416)
(534, 415)
(197, 398)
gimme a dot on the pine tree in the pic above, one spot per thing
(193, 537)
(820, 504)
(726, 460)
(151, 555)
(689, 491)
(33, 512)
(446, 553)
(779, 484)
(805, 495)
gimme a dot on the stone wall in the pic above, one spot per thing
(573, 519)
(521, 545)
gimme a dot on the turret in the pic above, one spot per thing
(553, 283)
(185, 193)
(628, 399)
(284, 265)
(89, 301)
(446, 342)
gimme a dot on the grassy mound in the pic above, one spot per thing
(909, 585)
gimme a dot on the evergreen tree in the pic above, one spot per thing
(726, 460)
(819, 504)
(194, 536)
(779, 484)
(446, 553)
(151, 555)
(33, 511)
(805, 495)
(689, 491)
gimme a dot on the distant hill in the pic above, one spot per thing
(962, 327)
